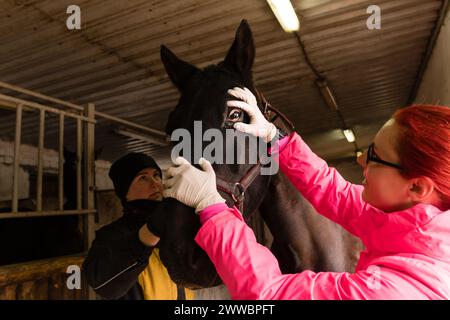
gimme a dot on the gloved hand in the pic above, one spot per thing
(191, 186)
(258, 126)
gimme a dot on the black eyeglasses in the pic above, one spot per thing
(371, 156)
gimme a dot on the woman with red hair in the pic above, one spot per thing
(401, 212)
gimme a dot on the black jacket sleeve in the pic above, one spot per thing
(117, 257)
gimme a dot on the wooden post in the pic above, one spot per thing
(89, 188)
(38, 269)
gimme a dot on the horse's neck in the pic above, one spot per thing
(255, 187)
(282, 208)
(233, 172)
(303, 239)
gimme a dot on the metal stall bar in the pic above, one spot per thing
(89, 182)
(15, 191)
(31, 214)
(40, 160)
(38, 106)
(159, 137)
(60, 163)
(20, 106)
(79, 159)
(89, 172)
(40, 96)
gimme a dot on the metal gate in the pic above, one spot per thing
(25, 273)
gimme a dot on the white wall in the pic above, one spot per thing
(435, 85)
(28, 158)
(6, 182)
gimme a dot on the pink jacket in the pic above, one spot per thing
(407, 252)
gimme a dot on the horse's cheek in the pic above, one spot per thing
(185, 261)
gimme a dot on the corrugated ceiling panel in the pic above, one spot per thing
(113, 61)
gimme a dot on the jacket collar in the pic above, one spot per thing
(421, 229)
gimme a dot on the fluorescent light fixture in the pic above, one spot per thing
(349, 135)
(285, 14)
(327, 94)
(141, 136)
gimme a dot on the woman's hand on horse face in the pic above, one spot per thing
(191, 186)
(258, 125)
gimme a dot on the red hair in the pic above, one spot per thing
(424, 146)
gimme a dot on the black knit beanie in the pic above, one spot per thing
(125, 169)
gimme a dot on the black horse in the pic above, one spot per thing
(302, 238)
(203, 98)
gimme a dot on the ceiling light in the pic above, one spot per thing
(285, 14)
(359, 153)
(349, 135)
(141, 136)
(327, 94)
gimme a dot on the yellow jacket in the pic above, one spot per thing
(156, 283)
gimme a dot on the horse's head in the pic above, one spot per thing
(203, 98)
(204, 91)
(203, 103)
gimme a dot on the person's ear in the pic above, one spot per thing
(421, 189)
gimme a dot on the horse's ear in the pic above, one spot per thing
(178, 70)
(241, 55)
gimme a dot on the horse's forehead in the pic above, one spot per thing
(215, 78)
(203, 98)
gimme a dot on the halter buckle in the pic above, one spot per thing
(238, 197)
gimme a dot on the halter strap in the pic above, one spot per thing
(236, 190)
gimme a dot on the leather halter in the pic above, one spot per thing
(275, 116)
(236, 190)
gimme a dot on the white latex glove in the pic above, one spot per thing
(258, 125)
(191, 186)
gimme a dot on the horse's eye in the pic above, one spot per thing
(235, 114)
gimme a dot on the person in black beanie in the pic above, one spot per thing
(123, 261)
